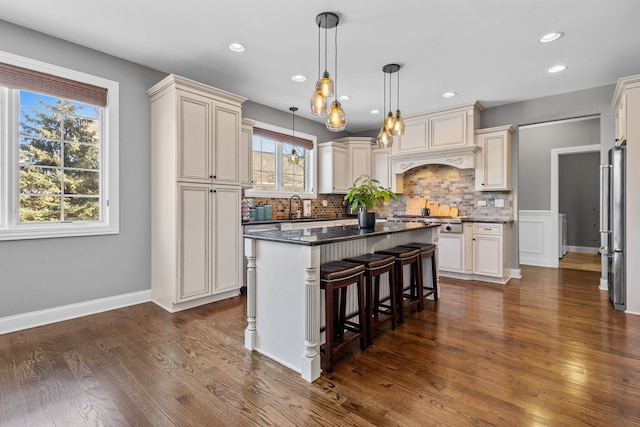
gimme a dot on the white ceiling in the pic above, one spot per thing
(483, 50)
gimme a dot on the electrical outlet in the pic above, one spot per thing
(306, 210)
(499, 203)
(324, 203)
(482, 203)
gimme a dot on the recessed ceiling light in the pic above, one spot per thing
(236, 47)
(557, 68)
(299, 78)
(449, 94)
(551, 37)
(344, 98)
(374, 111)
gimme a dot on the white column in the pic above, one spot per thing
(250, 332)
(310, 364)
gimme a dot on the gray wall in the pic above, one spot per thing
(594, 101)
(536, 143)
(579, 177)
(45, 273)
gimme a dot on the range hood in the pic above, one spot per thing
(461, 158)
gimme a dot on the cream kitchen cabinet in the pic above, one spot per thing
(332, 168)
(203, 125)
(195, 194)
(439, 130)
(246, 153)
(491, 250)
(380, 166)
(493, 160)
(341, 161)
(451, 252)
(208, 247)
(621, 119)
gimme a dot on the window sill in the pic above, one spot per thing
(62, 230)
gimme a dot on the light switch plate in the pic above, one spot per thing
(482, 203)
(306, 207)
(499, 203)
(324, 203)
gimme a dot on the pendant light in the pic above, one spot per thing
(336, 119)
(293, 158)
(398, 124)
(385, 139)
(394, 124)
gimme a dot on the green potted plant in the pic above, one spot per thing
(364, 194)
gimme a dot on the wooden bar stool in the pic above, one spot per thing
(335, 278)
(428, 250)
(411, 295)
(375, 265)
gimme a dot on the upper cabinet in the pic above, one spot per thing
(341, 161)
(246, 153)
(206, 132)
(493, 160)
(439, 130)
(380, 166)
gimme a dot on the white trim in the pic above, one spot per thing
(312, 172)
(558, 122)
(583, 249)
(534, 230)
(516, 273)
(71, 311)
(110, 223)
(555, 183)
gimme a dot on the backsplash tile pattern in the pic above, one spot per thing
(443, 184)
(451, 186)
(280, 207)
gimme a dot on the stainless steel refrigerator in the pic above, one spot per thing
(617, 225)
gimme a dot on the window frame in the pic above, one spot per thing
(311, 162)
(10, 228)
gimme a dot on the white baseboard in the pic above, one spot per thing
(71, 311)
(516, 273)
(604, 284)
(583, 249)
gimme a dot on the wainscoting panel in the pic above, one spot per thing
(536, 239)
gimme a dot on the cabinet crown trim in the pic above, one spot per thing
(461, 158)
(476, 106)
(185, 83)
(624, 83)
(507, 128)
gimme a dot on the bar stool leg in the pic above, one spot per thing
(330, 307)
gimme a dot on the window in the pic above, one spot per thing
(58, 151)
(273, 174)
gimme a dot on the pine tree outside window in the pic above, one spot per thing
(58, 151)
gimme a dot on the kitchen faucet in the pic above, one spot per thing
(299, 204)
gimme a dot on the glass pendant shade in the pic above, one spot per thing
(318, 104)
(389, 122)
(325, 85)
(385, 139)
(336, 120)
(294, 159)
(398, 124)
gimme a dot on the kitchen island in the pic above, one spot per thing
(284, 308)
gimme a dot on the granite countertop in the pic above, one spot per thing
(489, 220)
(326, 235)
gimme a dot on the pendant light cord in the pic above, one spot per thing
(319, 53)
(325, 41)
(384, 92)
(398, 93)
(335, 78)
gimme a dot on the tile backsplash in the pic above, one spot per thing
(440, 183)
(454, 187)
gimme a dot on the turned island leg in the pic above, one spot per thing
(310, 369)
(250, 332)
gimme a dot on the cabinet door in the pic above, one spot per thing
(194, 138)
(226, 155)
(340, 170)
(194, 248)
(487, 255)
(226, 239)
(415, 136)
(359, 162)
(380, 166)
(451, 252)
(493, 170)
(447, 131)
(246, 156)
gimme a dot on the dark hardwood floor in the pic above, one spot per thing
(546, 350)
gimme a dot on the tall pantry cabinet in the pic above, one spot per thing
(196, 247)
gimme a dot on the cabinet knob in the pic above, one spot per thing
(210, 176)
(214, 177)
(210, 191)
